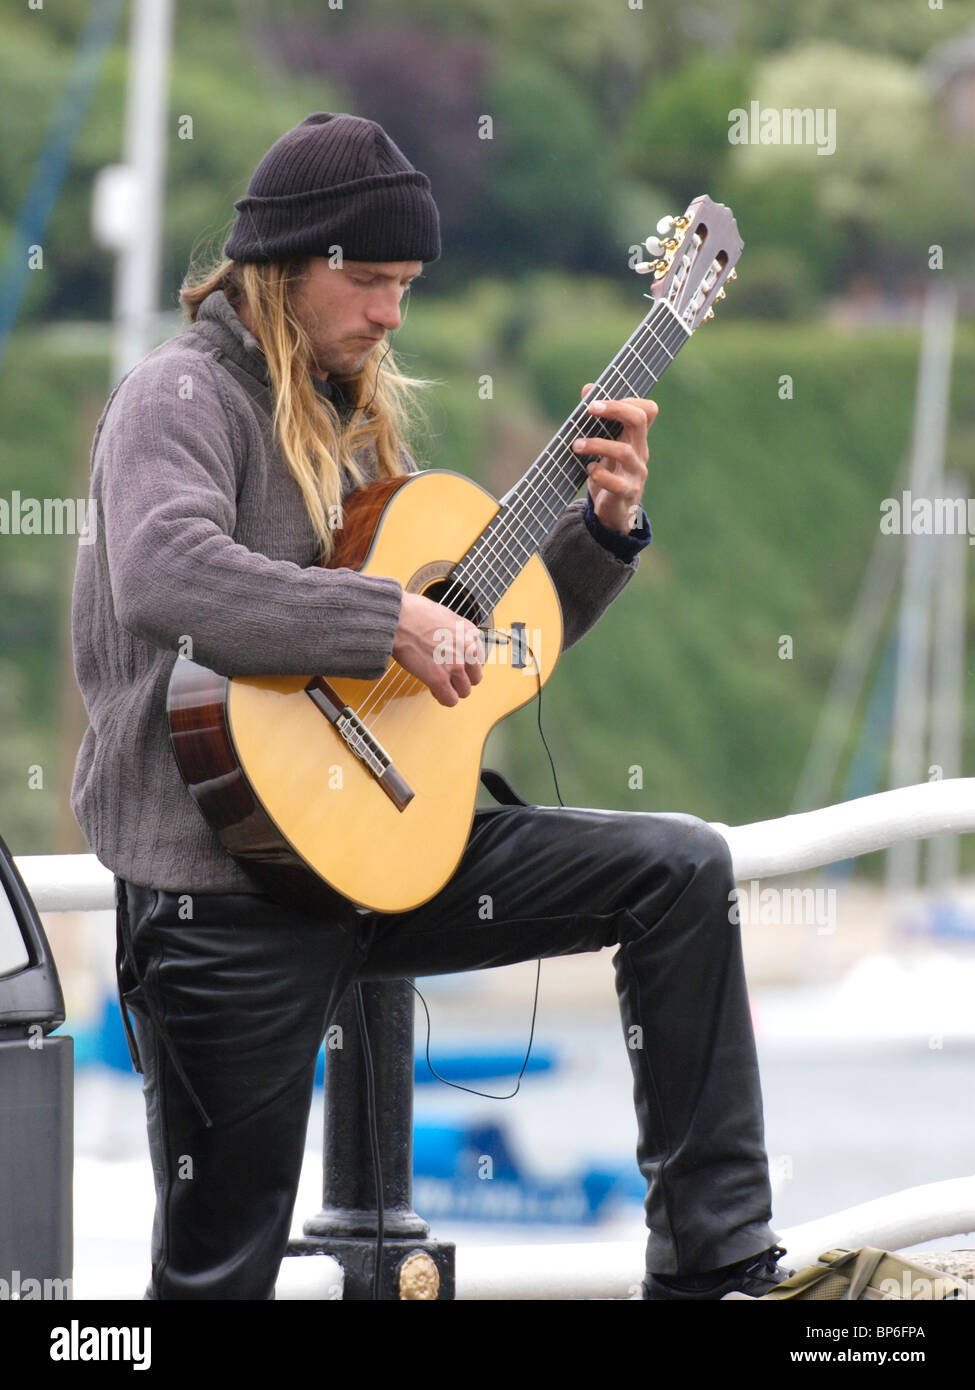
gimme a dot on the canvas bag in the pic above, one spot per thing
(867, 1273)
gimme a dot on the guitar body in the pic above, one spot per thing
(280, 783)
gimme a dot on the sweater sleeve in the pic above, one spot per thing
(165, 477)
(587, 575)
(624, 547)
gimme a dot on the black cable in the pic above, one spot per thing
(469, 1089)
(486, 1095)
(375, 388)
(542, 733)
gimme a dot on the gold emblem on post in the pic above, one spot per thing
(419, 1277)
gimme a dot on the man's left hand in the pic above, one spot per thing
(618, 472)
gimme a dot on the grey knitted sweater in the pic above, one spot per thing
(202, 537)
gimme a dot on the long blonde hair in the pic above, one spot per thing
(313, 442)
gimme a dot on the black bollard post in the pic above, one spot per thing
(413, 1266)
(36, 1105)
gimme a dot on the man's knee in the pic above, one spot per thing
(680, 864)
(692, 850)
(709, 852)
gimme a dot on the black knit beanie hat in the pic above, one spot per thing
(336, 180)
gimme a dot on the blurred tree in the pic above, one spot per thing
(881, 125)
(425, 90)
(515, 153)
(904, 28)
(678, 135)
(893, 184)
(776, 283)
(782, 216)
(549, 197)
(205, 172)
(607, 49)
(33, 58)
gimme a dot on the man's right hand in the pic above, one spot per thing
(439, 647)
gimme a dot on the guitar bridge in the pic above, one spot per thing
(366, 748)
(362, 744)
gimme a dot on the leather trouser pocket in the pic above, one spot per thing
(133, 988)
(128, 978)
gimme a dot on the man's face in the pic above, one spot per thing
(346, 310)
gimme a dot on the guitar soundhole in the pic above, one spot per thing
(458, 600)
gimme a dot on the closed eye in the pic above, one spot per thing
(365, 281)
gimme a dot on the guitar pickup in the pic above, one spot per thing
(519, 645)
(515, 640)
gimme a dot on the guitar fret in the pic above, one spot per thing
(532, 508)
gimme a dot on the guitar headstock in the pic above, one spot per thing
(694, 255)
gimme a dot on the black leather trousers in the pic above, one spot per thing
(229, 995)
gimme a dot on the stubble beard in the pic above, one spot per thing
(334, 362)
(344, 358)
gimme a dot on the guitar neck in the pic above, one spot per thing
(530, 510)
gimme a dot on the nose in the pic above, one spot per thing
(384, 310)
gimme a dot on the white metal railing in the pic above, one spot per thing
(614, 1269)
(78, 882)
(599, 1269)
(793, 843)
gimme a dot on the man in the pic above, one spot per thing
(217, 465)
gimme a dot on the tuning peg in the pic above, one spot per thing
(708, 315)
(732, 275)
(666, 225)
(644, 267)
(720, 294)
(654, 246)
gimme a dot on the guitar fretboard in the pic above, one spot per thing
(530, 510)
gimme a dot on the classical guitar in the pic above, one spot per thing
(343, 793)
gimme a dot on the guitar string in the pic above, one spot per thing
(397, 675)
(635, 346)
(597, 424)
(514, 522)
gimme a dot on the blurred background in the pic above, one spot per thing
(775, 652)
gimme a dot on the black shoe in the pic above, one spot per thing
(749, 1278)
